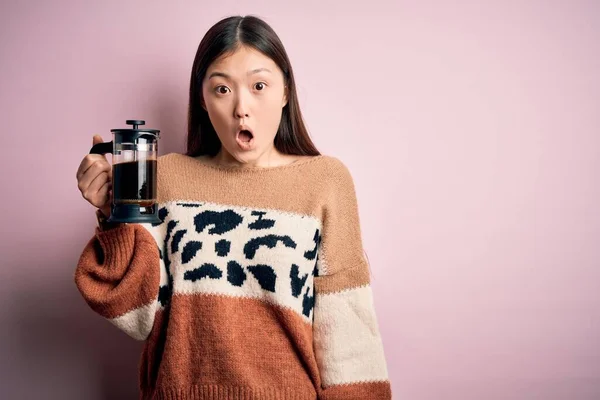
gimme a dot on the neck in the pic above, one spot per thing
(270, 158)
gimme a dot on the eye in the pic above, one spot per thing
(222, 89)
(260, 85)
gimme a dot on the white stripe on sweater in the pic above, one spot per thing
(137, 323)
(348, 345)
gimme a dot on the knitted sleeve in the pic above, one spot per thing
(118, 275)
(347, 342)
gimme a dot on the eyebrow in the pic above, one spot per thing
(224, 75)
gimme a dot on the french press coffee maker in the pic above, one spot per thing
(134, 166)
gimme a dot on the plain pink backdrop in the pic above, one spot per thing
(471, 130)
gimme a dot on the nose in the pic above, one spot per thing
(241, 109)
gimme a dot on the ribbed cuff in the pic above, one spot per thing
(118, 245)
(218, 392)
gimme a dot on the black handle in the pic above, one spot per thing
(102, 148)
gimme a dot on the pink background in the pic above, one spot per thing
(471, 130)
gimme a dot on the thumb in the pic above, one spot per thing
(97, 139)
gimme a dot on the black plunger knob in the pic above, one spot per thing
(135, 122)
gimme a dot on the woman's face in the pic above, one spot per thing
(244, 94)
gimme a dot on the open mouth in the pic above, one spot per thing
(245, 136)
(245, 139)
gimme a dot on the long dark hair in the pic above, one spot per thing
(223, 37)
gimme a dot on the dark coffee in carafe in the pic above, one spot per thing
(134, 183)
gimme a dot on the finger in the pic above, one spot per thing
(97, 193)
(94, 168)
(98, 182)
(104, 195)
(89, 161)
(107, 199)
(86, 180)
(90, 176)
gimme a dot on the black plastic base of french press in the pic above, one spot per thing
(131, 214)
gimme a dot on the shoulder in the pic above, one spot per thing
(166, 159)
(335, 172)
(174, 163)
(173, 169)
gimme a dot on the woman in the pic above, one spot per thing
(254, 286)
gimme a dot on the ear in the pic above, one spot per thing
(285, 96)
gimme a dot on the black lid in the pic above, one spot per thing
(136, 123)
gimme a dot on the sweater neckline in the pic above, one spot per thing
(242, 170)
